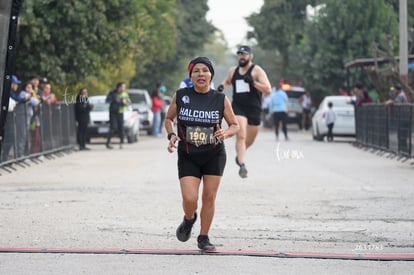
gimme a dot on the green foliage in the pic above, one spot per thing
(315, 52)
(71, 42)
(345, 31)
(191, 32)
(279, 25)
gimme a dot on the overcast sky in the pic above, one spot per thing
(228, 15)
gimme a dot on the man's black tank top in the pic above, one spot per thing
(197, 109)
(245, 95)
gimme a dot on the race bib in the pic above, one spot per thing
(200, 135)
(242, 86)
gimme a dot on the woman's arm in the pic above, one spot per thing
(169, 125)
(231, 120)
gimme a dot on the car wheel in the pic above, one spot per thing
(130, 136)
(318, 136)
(136, 136)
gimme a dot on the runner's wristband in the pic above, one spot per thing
(170, 135)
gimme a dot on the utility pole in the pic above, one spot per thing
(403, 42)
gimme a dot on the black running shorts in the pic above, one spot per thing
(252, 115)
(200, 164)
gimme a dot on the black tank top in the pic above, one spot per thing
(198, 110)
(245, 95)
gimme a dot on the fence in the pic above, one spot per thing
(32, 132)
(386, 128)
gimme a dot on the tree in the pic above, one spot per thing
(71, 41)
(279, 25)
(346, 30)
(191, 31)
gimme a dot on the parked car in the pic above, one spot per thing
(99, 120)
(294, 115)
(345, 117)
(141, 102)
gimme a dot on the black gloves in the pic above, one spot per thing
(220, 88)
(248, 79)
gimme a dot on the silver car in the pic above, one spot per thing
(99, 120)
(141, 102)
(345, 117)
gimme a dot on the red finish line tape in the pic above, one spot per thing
(253, 253)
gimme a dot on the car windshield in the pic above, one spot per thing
(99, 105)
(137, 98)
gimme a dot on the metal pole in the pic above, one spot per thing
(403, 42)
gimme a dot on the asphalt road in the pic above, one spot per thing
(300, 196)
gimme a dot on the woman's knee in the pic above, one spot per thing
(189, 197)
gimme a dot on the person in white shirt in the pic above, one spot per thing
(330, 121)
(306, 103)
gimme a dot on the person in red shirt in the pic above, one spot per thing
(48, 96)
(156, 108)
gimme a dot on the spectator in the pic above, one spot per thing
(9, 136)
(374, 95)
(34, 80)
(48, 96)
(397, 95)
(23, 114)
(305, 101)
(42, 82)
(82, 110)
(330, 121)
(117, 99)
(47, 117)
(35, 138)
(164, 109)
(356, 93)
(365, 98)
(266, 116)
(278, 109)
(156, 108)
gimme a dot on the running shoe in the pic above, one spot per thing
(184, 229)
(243, 171)
(204, 243)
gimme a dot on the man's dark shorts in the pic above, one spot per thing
(209, 163)
(252, 115)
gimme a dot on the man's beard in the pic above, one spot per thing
(243, 63)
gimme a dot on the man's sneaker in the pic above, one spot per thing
(109, 146)
(243, 171)
(204, 243)
(184, 229)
